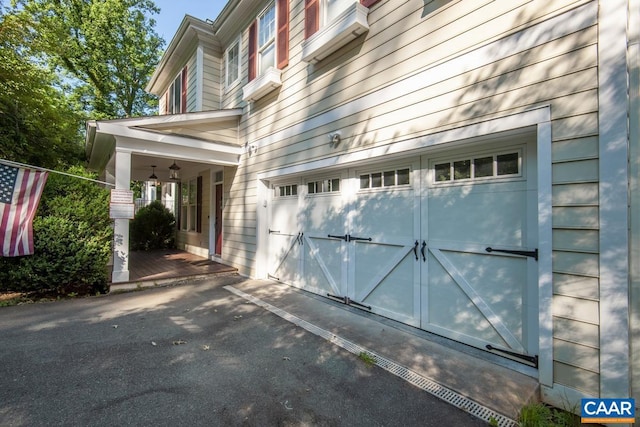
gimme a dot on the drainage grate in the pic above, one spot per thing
(430, 386)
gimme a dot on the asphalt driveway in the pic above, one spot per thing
(191, 355)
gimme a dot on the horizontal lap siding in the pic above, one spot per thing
(211, 80)
(192, 87)
(239, 220)
(404, 40)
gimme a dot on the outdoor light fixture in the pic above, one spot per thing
(174, 172)
(153, 176)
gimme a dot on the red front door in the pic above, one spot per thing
(218, 225)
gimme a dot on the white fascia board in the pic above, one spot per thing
(167, 139)
(177, 119)
(191, 154)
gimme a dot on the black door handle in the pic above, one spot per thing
(424, 245)
(532, 254)
(345, 237)
(415, 250)
(351, 238)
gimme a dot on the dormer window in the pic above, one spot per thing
(176, 95)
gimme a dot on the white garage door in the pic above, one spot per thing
(445, 243)
(479, 278)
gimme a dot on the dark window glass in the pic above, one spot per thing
(443, 172)
(335, 185)
(462, 169)
(403, 176)
(294, 190)
(389, 178)
(483, 167)
(376, 180)
(364, 181)
(312, 187)
(508, 164)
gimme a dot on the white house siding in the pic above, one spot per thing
(212, 80)
(192, 85)
(466, 61)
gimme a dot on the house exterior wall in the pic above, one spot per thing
(478, 61)
(428, 67)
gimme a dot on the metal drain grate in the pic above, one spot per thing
(430, 386)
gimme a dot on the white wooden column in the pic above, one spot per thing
(121, 228)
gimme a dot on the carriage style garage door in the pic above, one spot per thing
(445, 242)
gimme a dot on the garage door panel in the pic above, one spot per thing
(286, 262)
(493, 285)
(388, 285)
(385, 213)
(474, 215)
(323, 265)
(451, 309)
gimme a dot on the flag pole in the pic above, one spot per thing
(24, 165)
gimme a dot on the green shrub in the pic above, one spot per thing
(154, 227)
(72, 241)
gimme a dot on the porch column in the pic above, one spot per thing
(121, 228)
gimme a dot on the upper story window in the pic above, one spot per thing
(267, 39)
(176, 95)
(330, 9)
(232, 64)
(268, 50)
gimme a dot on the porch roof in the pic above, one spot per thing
(209, 137)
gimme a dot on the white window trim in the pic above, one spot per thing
(346, 27)
(170, 98)
(230, 85)
(185, 220)
(521, 175)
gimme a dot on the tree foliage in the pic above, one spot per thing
(154, 227)
(108, 48)
(38, 123)
(72, 240)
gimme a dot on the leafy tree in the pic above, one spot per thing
(108, 48)
(38, 124)
(72, 240)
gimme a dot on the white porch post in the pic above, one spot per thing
(121, 228)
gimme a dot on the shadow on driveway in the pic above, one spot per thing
(191, 355)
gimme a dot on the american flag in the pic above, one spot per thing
(20, 191)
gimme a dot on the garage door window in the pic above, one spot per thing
(482, 167)
(324, 186)
(285, 190)
(388, 178)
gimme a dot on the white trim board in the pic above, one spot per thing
(613, 189)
